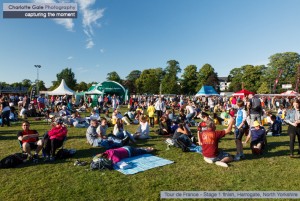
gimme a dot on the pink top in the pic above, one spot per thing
(116, 154)
(58, 133)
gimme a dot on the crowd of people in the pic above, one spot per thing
(174, 116)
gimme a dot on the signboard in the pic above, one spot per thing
(286, 86)
(13, 90)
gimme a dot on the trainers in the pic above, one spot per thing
(35, 158)
(208, 160)
(52, 158)
(80, 163)
(222, 164)
(46, 158)
(237, 157)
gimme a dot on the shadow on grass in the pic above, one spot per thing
(9, 132)
(11, 137)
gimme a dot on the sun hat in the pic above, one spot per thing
(256, 123)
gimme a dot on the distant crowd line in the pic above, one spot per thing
(174, 115)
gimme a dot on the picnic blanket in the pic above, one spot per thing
(141, 163)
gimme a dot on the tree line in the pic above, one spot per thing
(259, 78)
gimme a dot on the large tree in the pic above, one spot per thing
(248, 77)
(288, 63)
(69, 77)
(207, 76)
(189, 80)
(82, 86)
(149, 81)
(129, 82)
(26, 83)
(114, 76)
(170, 82)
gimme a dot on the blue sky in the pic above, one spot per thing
(126, 35)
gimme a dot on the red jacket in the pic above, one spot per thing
(58, 133)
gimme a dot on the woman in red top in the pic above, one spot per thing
(55, 139)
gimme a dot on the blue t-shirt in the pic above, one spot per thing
(258, 134)
(239, 117)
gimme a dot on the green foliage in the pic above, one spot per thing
(149, 81)
(26, 83)
(69, 77)
(207, 76)
(114, 76)
(82, 86)
(170, 82)
(288, 62)
(129, 83)
(248, 77)
(264, 88)
(189, 80)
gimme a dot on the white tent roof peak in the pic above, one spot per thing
(62, 89)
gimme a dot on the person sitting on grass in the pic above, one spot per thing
(210, 140)
(275, 127)
(120, 132)
(164, 127)
(96, 136)
(143, 130)
(258, 138)
(54, 139)
(117, 154)
(30, 141)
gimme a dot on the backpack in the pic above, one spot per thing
(256, 105)
(13, 160)
(101, 164)
(183, 142)
(65, 153)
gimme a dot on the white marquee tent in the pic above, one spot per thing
(62, 89)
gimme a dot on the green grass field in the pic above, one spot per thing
(61, 180)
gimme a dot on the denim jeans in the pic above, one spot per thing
(110, 142)
(135, 151)
(190, 116)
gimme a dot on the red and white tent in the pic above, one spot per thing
(290, 93)
(242, 93)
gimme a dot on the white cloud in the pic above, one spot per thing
(102, 50)
(90, 43)
(67, 22)
(70, 57)
(90, 19)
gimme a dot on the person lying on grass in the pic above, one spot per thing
(210, 139)
(117, 154)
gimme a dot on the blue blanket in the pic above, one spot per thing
(142, 163)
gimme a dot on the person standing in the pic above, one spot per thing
(241, 126)
(293, 119)
(255, 109)
(159, 107)
(151, 111)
